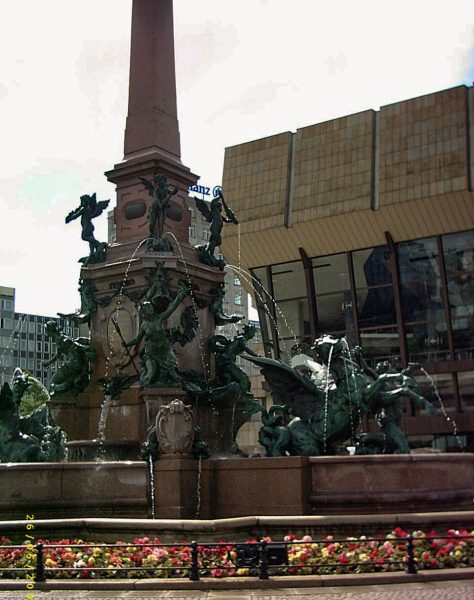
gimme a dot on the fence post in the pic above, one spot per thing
(263, 574)
(194, 571)
(411, 564)
(39, 570)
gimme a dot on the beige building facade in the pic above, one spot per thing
(363, 226)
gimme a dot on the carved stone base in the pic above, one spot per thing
(155, 398)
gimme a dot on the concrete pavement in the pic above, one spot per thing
(439, 590)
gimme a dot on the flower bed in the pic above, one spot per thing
(143, 557)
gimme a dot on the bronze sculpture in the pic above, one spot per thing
(326, 408)
(159, 365)
(213, 214)
(89, 209)
(72, 377)
(161, 193)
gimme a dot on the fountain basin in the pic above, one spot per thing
(297, 485)
(392, 483)
(92, 450)
(64, 490)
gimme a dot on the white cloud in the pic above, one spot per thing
(245, 69)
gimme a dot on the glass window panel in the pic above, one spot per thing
(443, 387)
(459, 260)
(260, 282)
(376, 306)
(421, 301)
(293, 320)
(335, 312)
(288, 281)
(427, 342)
(381, 344)
(331, 274)
(372, 267)
(463, 338)
(466, 390)
(418, 260)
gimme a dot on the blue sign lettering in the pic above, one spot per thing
(206, 191)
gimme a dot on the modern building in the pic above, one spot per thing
(23, 342)
(235, 299)
(363, 227)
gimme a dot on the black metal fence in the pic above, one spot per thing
(260, 559)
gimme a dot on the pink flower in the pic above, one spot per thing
(217, 572)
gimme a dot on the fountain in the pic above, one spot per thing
(156, 391)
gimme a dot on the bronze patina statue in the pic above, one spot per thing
(159, 365)
(161, 192)
(327, 407)
(226, 352)
(72, 377)
(89, 209)
(32, 437)
(213, 214)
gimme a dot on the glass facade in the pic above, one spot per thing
(406, 302)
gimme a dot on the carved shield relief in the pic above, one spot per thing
(175, 428)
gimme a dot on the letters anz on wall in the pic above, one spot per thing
(206, 191)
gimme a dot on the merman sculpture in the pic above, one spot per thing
(72, 377)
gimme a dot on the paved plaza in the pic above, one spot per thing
(445, 590)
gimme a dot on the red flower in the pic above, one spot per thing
(217, 572)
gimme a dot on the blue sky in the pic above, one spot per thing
(245, 70)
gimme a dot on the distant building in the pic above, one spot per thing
(23, 342)
(235, 299)
(363, 227)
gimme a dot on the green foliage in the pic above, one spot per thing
(35, 396)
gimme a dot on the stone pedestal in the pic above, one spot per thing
(155, 398)
(176, 490)
(120, 284)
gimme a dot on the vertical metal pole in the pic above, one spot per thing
(397, 297)
(39, 571)
(310, 293)
(411, 565)
(352, 284)
(262, 313)
(263, 574)
(194, 571)
(272, 311)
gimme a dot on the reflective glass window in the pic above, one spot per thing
(418, 260)
(372, 267)
(335, 313)
(466, 390)
(331, 274)
(427, 342)
(376, 306)
(262, 296)
(439, 390)
(381, 344)
(421, 301)
(463, 338)
(289, 281)
(458, 252)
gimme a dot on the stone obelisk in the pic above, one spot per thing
(152, 143)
